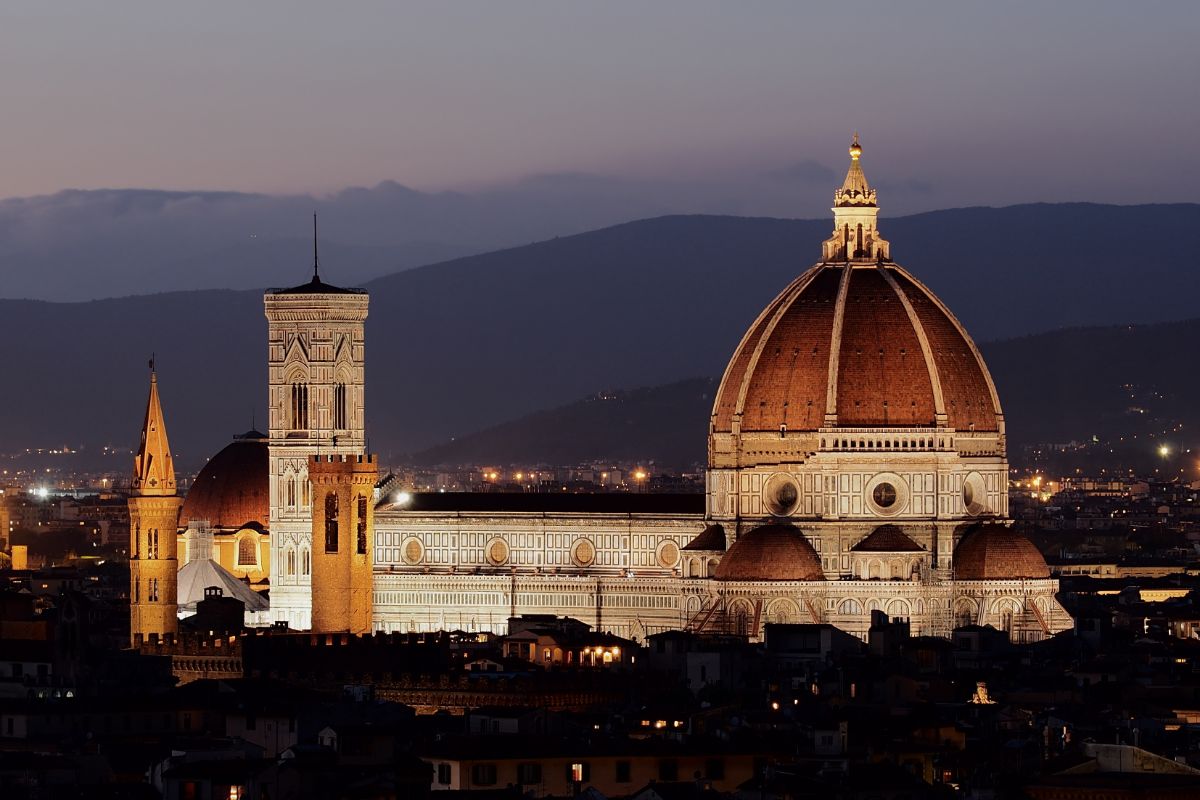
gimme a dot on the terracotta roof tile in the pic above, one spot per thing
(711, 538)
(887, 539)
(883, 378)
(995, 552)
(233, 489)
(771, 553)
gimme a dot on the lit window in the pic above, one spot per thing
(247, 552)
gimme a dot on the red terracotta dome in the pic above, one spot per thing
(864, 341)
(233, 489)
(995, 552)
(771, 553)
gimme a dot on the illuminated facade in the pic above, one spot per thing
(857, 464)
(315, 354)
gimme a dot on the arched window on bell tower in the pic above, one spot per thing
(339, 406)
(298, 416)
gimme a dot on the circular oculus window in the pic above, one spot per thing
(583, 553)
(497, 551)
(413, 550)
(668, 554)
(974, 495)
(886, 495)
(781, 494)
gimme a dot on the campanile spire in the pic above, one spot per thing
(153, 468)
(153, 521)
(855, 211)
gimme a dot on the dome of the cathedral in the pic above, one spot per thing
(233, 489)
(771, 553)
(857, 345)
(996, 552)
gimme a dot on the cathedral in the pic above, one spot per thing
(856, 463)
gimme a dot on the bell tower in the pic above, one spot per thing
(343, 535)
(315, 384)
(153, 516)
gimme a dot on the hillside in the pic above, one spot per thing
(661, 424)
(463, 345)
(1108, 383)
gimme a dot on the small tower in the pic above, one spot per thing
(343, 536)
(153, 517)
(855, 213)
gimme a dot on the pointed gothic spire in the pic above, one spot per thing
(153, 469)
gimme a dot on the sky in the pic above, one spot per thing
(958, 103)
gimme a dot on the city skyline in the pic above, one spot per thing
(676, 401)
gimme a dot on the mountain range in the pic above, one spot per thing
(460, 346)
(89, 244)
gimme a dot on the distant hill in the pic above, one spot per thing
(1109, 383)
(663, 424)
(467, 344)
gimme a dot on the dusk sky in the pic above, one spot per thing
(957, 103)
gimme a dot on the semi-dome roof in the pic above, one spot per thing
(996, 552)
(711, 539)
(771, 553)
(233, 489)
(887, 539)
(859, 345)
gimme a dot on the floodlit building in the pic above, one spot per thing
(856, 463)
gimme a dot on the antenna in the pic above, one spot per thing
(316, 262)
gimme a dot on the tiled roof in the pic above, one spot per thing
(995, 552)
(771, 553)
(887, 539)
(711, 538)
(780, 373)
(233, 489)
